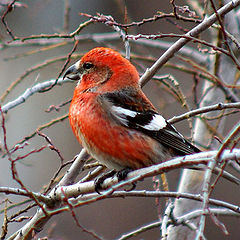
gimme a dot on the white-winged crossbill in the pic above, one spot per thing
(113, 119)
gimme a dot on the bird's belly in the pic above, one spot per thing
(114, 145)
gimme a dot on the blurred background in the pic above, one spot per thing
(112, 217)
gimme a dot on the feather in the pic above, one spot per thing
(139, 114)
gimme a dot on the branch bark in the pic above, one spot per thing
(192, 181)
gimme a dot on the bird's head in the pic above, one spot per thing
(103, 69)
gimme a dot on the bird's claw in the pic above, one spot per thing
(99, 180)
(121, 175)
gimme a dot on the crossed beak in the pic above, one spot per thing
(72, 72)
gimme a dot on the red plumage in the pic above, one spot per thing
(113, 119)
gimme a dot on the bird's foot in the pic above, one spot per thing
(99, 181)
(122, 174)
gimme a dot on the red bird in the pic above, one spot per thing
(113, 119)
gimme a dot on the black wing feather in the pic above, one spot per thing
(167, 135)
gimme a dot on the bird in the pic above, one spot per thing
(113, 119)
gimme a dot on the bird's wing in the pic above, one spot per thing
(136, 112)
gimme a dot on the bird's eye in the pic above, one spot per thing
(87, 65)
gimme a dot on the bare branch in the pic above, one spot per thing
(181, 42)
